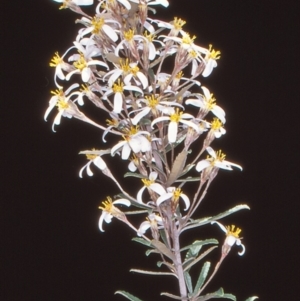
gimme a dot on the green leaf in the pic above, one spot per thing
(128, 296)
(196, 246)
(188, 264)
(188, 281)
(251, 298)
(218, 294)
(152, 272)
(207, 220)
(142, 241)
(171, 296)
(163, 236)
(133, 174)
(202, 277)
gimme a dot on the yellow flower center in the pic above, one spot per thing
(175, 117)
(178, 23)
(125, 66)
(188, 40)
(97, 24)
(80, 63)
(147, 182)
(233, 231)
(134, 70)
(128, 35)
(91, 156)
(149, 36)
(118, 88)
(211, 102)
(176, 194)
(179, 75)
(216, 124)
(152, 101)
(215, 55)
(56, 60)
(62, 104)
(108, 206)
(112, 122)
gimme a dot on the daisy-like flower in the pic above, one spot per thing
(83, 61)
(150, 185)
(128, 71)
(232, 237)
(174, 194)
(135, 141)
(175, 118)
(153, 105)
(118, 89)
(164, 3)
(154, 222)
(110, 211)
(66, 108)
(211, 61)
(69, 3)
(207, 103)
(100, 27)
(216, 160)
(94, 156)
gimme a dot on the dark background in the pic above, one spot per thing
(52, 248)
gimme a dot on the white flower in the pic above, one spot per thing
(133, 141)
(175, 118)
(98, 26)
(153, 220)
(174, 194)
(164, 3)
(207, 103)
(150, 184)
(94, 157)
(60, 99)
(77, 2)
(232, 237)
(110, 211)
(211, 61)
(154, 105)
(84, 61)
(217, 160)
(118, 89)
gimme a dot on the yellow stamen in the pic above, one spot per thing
(80, 63)
(178, 23)
(216, 124)
(118, 88)
(215, 55)
(152, 101)
(56, 60)
(231, 230)
(175, 117)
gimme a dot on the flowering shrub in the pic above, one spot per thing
(122, 58)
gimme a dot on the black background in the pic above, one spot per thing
(52, 247)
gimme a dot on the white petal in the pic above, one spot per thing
(117, 147)
(126, 152)
(83, 2)
(86, 74)
(110, 32)
(122, 201)
(139, 195)
(157, 188)
(186, 201)
(101, 221)
(172, 131)
(211, 152)
(202, 165)
(118, 102)
(143, 79)
(99, 162)
(163, 198)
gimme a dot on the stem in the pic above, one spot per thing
(178, 264)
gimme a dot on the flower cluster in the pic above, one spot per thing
(120, 62)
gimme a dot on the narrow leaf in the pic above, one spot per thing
(218, 294)
(142, 241)
(128, 296)
(171, 296)
(188, 281)
(251, 298)
(186, 266)
(177, 168)
(162, 248)
(202, 277)
(207, 220)
(153, 272)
